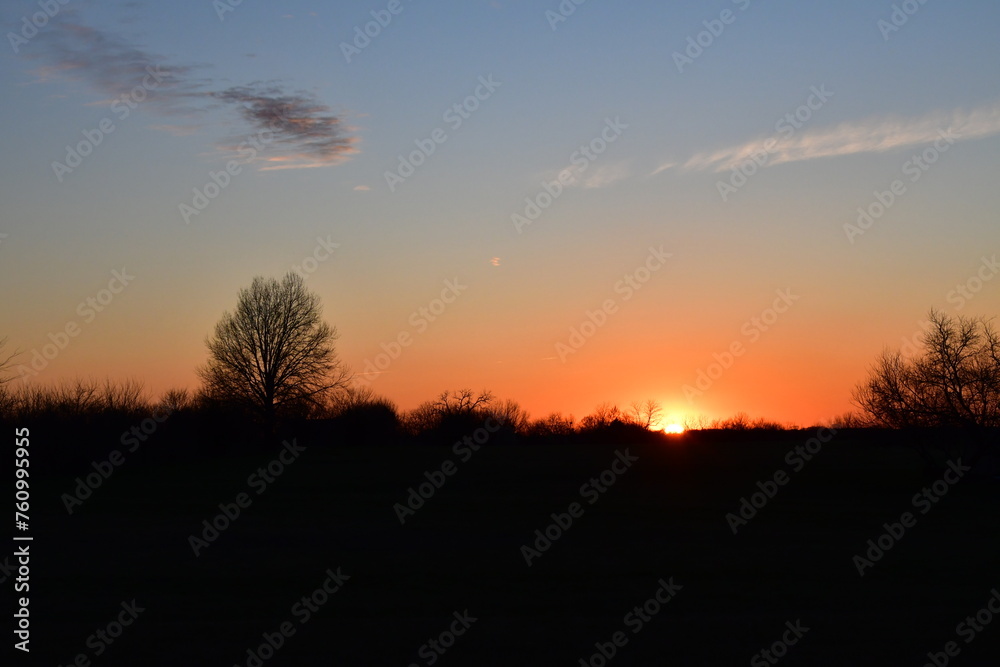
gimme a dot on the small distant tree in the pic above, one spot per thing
(176, 400)
(850, 419)
(555, 424)
(604, 415)
(509, 413)
(698, 423)
(741, 421)
(462, 402)
(645, 413)
(364, 415)
(274, 353)
(452, 413)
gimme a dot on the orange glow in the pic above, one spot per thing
(673, 428)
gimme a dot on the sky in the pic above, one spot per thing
(724, 206)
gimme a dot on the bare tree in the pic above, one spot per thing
(452, 411)
(604, 415)
(462, 402)
(175, 400)
(954, 382)
(510, 413)
(5, 362)
(850, 419)
(645, 413)
(274, 354)
(555, 424)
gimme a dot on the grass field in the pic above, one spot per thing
(664, 518)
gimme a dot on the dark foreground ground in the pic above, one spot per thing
(460, 555)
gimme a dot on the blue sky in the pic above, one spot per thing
(891, 94)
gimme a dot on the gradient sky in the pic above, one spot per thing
(886, 96)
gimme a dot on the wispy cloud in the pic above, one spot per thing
(663, 167)
(309, 133)
(874, 135)
(591, 176)
(114, 67)
(304, 133)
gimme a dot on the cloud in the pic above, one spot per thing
(663, 167)
(361, 188)
(309, 134)
(591, 176)
(874, 135)
(303, 132)
(115, 67)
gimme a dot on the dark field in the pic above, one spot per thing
(663, 518)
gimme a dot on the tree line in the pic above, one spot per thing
(273, 360)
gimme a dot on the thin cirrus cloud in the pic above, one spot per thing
(590, 176)
(875, 135)
(300, 125)
(295, 130)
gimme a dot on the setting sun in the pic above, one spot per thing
(673, 428)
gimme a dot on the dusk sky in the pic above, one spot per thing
(605, 198)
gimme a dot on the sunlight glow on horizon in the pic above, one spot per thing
(565, 313)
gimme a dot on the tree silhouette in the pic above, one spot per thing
(955, 382)
(452, 413)
(5, 362)
(604, 415)
(274, 354)
(646, 413)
